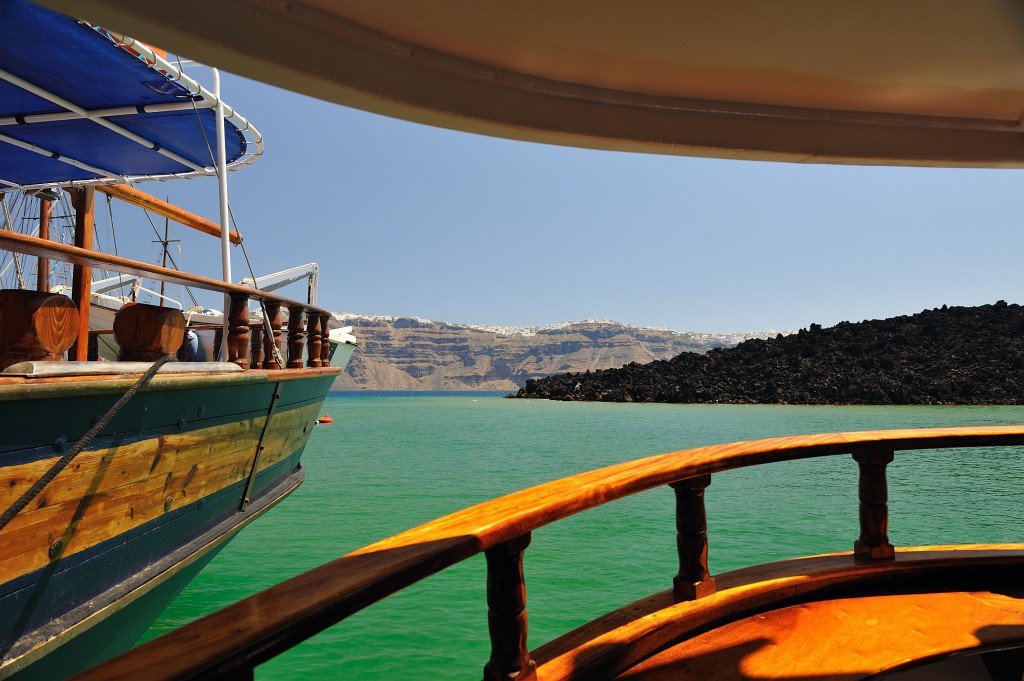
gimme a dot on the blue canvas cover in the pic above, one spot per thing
(82, 65)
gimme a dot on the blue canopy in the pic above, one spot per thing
(81, 66)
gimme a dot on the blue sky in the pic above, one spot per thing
(406, 219)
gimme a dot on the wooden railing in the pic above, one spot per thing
(231, 642)
(307, 324)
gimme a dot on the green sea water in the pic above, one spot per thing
(392, 461)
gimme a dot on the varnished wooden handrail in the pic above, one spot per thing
(256, 629)
(22, 243)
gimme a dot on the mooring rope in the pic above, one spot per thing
(62, 463)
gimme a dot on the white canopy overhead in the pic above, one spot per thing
(915, 82)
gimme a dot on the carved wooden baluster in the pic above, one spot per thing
(506, 613)
(325, 345)
(238, 330)
(313, 337)
(296, 337)
(693, 581)
(255, 345)
(269, 358)
(873, 490)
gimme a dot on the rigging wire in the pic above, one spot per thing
(65, 225)
(4, 209)
(113, 233)
(170, 257)
(267, 330)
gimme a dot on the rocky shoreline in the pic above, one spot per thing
(948, 355)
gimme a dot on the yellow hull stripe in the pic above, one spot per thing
(107, 492)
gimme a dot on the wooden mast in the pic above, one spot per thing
(81, 287)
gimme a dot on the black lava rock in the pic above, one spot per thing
(949, 355)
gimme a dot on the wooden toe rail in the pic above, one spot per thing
(231, 642)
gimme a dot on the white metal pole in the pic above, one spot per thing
(225, 236)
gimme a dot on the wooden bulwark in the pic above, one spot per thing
(234, 640)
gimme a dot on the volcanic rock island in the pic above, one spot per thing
(947, 355)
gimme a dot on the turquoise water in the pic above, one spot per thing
(390, 462)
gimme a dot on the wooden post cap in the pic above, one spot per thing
(148, 332)
(35, 326)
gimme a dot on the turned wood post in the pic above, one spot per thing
(873, 491)
(255, 345)
(325, 344)
(269, 358)
(238, 330)
(296, 337)
(506, 613)
(693, 581)
(313, 337)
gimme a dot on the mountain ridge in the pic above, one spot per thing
(412, 353)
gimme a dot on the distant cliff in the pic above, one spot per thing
(406, 353)
(949, 355)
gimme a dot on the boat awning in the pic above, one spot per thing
(79, 104)
(915, 82)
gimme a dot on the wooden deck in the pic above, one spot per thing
(640, 638)
(843, 639)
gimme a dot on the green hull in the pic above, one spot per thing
(155, 496)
